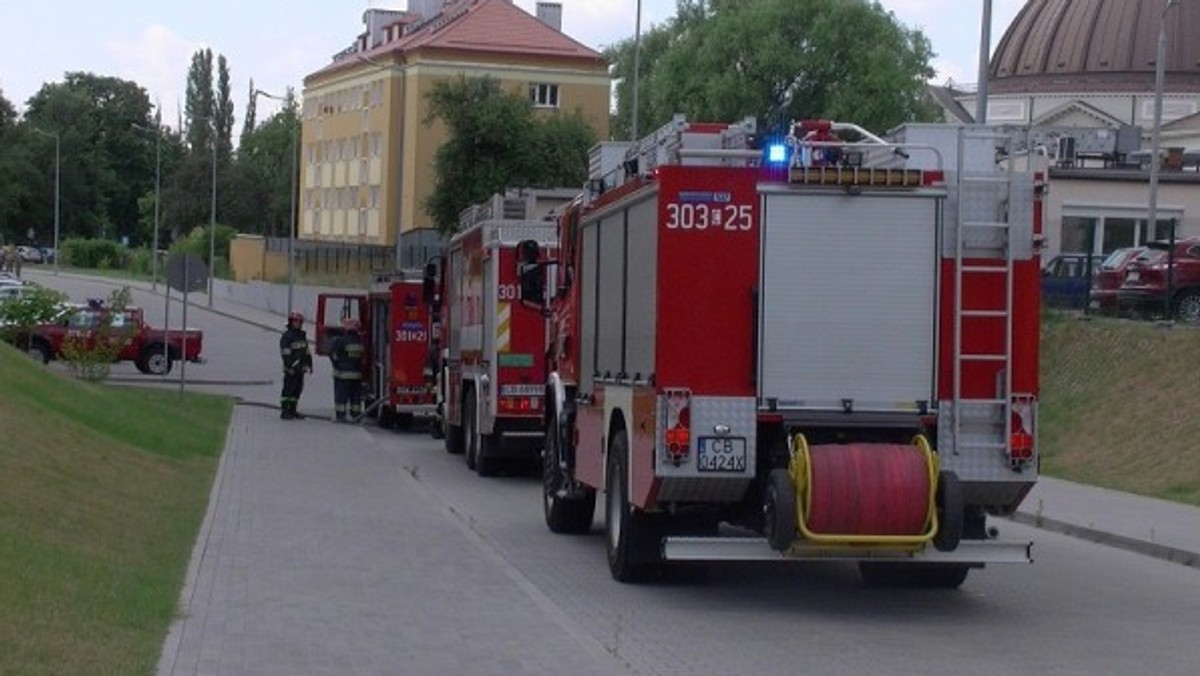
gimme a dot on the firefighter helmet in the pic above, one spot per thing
(295, 317)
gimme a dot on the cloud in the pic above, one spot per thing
(158, 60)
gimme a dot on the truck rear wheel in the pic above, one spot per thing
(154, 362)
(631, 542)
(924, 575)
(486, 462)
(950, 512)
(779, 510)
(564, 513)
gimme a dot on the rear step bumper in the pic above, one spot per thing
(976, 552)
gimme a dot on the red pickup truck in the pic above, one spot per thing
(141, 344)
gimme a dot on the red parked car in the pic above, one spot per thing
(140, 343)
(1144, 291)
(1108, 279)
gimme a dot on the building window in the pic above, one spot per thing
(544, 95)
(1102, 229)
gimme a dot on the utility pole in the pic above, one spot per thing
(291, 242)
(157, 195)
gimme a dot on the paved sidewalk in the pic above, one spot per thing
(322, 557)
(1158, 528)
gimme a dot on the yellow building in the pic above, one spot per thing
(367, 156)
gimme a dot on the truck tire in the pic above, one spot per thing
(950, 512)
(779, 510)
(453, 434)
(153, 362)
(923, 575)
(631, 539)
(39, 350)
(402, 421)
(486, 448)
(564, 514)
(387, 417)
(470, 430)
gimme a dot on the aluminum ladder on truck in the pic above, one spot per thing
(983, 231)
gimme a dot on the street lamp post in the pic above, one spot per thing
(212, 210)
(1155, 146)
(291, 241)
(212, 219)
(57, 177)
(157, 198)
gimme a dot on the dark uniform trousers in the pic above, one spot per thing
(347, 356)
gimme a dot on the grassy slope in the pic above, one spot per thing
(102, 491)
(1119, 406)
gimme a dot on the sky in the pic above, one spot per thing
(277, 42)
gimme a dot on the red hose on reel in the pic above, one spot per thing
(868, 489)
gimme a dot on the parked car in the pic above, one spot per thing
(9, 290)
(1066, 281)
(1108, 280)
(1144, 290)
(30, 254)
(140, 343)
(49, 253)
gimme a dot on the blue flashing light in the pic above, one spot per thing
(777, 153)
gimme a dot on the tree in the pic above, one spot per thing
(779, 60)
(17, 173)
(264, 165)
(494, 142)
(199, 105)
(105, 166)
(224, 112)
(251, 113)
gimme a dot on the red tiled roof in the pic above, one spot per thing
(492, 26)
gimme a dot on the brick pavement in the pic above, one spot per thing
(319, 556)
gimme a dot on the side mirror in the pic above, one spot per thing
(530, 272)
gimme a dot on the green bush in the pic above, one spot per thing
(198, 242)
(94, 253)
(139, 262)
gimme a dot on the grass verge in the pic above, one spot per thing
(1118, 405)
(102, 492)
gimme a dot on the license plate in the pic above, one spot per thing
(721, 454)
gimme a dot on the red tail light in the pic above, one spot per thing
(1021, 439)
(678, 436)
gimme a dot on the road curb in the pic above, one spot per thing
(1152, 549)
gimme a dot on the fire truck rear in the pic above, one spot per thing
(399, 331)
(493, 373)
(819, 349)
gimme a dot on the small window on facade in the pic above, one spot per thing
(544, 95)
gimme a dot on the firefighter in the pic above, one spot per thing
(293, 347)
(347, 354)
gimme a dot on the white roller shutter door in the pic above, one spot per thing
(848, 301)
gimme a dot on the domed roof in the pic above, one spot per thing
(1097, 46)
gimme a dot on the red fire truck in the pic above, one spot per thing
(492, 377)
(817, 349)
(400, 333)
